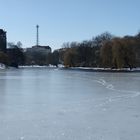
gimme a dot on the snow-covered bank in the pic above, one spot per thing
(104, 69)
(38, 66)
(2, 66)
(83, 68)
(89, 69)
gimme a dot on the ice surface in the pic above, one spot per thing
(45, 104)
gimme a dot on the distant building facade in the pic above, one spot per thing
(37, 55)
(40, 49)
(3, 40)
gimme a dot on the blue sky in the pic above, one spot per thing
(67, 20)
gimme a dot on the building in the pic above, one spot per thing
(3, 40)
(37, 55)
(39, 49)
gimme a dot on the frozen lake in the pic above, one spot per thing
(51, 104)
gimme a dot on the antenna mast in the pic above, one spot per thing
(37, 35)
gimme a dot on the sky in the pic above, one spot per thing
(67, 20)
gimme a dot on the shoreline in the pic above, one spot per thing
(88, 69)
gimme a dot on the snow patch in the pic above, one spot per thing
(2, 66)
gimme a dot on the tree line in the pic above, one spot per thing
(105, 51)
(13, 56)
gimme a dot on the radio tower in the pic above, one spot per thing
(37, 35)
